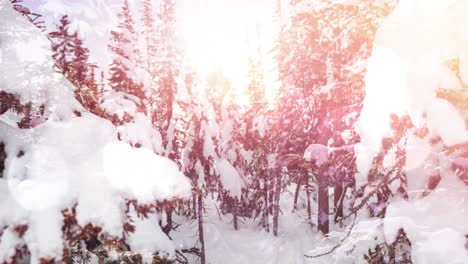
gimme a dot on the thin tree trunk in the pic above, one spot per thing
(323, 207)
(168, 227)
(266, 211)
(296, 193)
(276, 201)
(234, 214)
(307, 187)
(200, 229)
(194, 205)
(271, 194)
(338, 192)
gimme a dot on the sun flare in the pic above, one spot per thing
(222, 37)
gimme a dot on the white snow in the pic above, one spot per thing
(230, 178)
(317, 153)
(141, 174)
(148, 236)
(417, 151)
(8, 243)
(140, 131)
(118, 103)
(410, 61)
(68, 160)
(44, 236)
(250, 244)
(27, 56)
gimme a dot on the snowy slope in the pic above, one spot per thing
(66, 159)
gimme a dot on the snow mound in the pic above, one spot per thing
(230, 178)
(148, 237)
(317, 153)
(141, 174)
(119, 103)
(140, 133)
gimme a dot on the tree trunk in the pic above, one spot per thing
(323, 207)
(234, 214)
(266, 210)
(271, 194)
(168, 227)
(338, 192)
(200, 229)
(296, 193)
(309, 210)
(277, 193)
(194, 205)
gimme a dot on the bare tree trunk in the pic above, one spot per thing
(296, 193)
(277, 193)
(200, 229)
(194, 205)
(266, 211)
(323, 207)
(309, 210)
(168, 227)
(271, 194)
(234, 214)
(337, 193)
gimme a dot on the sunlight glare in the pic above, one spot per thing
(221, 36)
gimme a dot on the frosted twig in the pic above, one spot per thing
(337, 245)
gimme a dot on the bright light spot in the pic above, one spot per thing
(221, 36)
(386, 94)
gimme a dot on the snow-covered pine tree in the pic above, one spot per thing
(178, 135)
(148, 54)
(150, 35)
(62, 46)
(197, 164)
(229, 162)
(71, 59)
(124, 46)
(81, 71)
(166, 70)
(257, 141)
(184, 101)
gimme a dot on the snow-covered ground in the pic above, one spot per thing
(251, 244)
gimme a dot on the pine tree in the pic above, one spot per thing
(166, 70)
(62, 46)
(197, 165)
(71, 59)
(256, 138)
(148, 55)
(123, 45)
(81, 70)
(150, 34)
